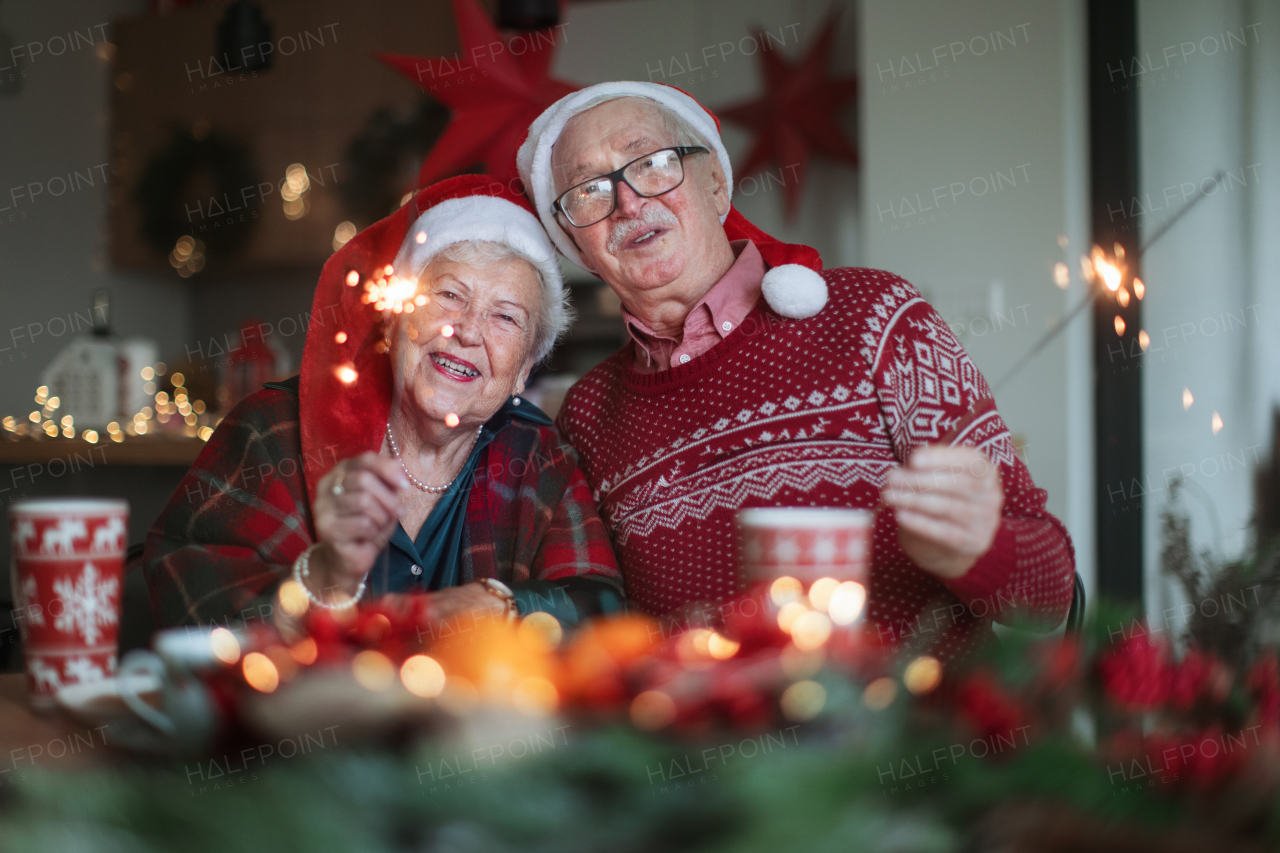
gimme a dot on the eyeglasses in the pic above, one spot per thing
(651, 175)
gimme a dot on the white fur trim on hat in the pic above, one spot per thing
(486, 219)
(794, 291)
(534, 158)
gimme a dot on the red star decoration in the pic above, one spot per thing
(796, 116)
(495, 88)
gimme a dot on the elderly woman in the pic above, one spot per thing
(402, 459)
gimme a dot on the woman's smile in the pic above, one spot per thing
(457, 369)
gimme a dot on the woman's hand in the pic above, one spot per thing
(357, 508)
(948, 503)
(469, 598)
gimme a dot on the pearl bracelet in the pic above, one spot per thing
(302, 570)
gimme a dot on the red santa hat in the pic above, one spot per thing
(345, 390)
(792, 286)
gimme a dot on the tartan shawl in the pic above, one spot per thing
(242, 515)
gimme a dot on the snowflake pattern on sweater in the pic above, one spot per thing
(812, 413)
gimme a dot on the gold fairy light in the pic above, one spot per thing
(847, 602)
(446, 330)
(1061, 275)
(341, 337)
(373, 670)
(1144, 340)
(1139, 289)
(821, 591)
(421, 238)
(422, 676)
(652, 710)
(347, 374)
(260, 673)
(880, 694)
(224, 645)
(1187, 399)
(721, 647)
(1119, 325)
(1122, 296)
(810, 630)
(353, 278)
(1216, 423)
(922, 675)
(803, 701)
(343, 234)
(451, 420)
(785, 590)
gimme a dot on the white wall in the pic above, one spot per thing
(53, 251)
(1207, 103)
(953, 93)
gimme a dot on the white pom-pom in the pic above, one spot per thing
(794, 291)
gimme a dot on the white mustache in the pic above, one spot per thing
(651, 215)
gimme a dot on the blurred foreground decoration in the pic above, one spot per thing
(496, 86)
(720, 736)
(797, 115)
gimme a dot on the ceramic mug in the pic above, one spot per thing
(67, 573)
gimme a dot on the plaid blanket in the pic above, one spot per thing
(242, 515)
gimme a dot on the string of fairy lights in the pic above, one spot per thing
(173, 414)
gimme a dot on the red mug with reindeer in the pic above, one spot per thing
(67, 574)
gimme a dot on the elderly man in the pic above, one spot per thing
(839, 388)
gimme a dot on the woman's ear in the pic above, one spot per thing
(524, 376)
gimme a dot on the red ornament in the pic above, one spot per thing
(796, 115)
(1136, 674)
(495, 88)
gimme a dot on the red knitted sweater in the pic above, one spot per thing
(812, 413)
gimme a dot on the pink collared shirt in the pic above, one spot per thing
(710, 321)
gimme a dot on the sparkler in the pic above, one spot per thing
(1110, 273)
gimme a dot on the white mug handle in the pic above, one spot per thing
(136, 663)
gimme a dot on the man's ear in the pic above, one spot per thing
(715, 184)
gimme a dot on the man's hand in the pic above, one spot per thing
(948, 502)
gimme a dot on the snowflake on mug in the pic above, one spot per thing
(88, 604)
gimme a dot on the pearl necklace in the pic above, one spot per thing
(412, 479)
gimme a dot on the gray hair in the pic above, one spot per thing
(554, 315)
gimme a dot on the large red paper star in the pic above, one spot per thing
(495, 88)
(796, 115)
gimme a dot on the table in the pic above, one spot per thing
(72, 454)
(53, 740)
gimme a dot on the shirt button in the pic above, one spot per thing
(416, 569)
(726, 325)
(684, 359)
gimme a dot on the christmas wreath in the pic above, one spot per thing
(201, 187)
